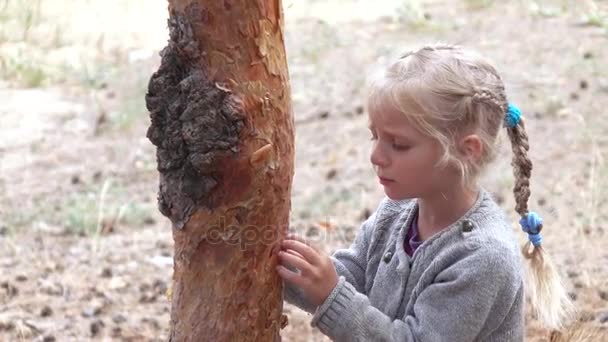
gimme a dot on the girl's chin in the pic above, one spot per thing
(396, 195)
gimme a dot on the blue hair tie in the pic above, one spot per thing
(532, 224)
(513, 116)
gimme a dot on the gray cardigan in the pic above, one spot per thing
(462, 284)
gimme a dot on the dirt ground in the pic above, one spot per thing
(85, 255)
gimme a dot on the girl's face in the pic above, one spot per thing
(405, 159)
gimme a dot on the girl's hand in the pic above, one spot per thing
(317, 277)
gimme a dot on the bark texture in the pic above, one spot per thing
(222, 122)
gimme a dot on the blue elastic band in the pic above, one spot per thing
(531, 224)
(513, 116)
(535, 239)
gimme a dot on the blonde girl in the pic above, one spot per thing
(437, 261)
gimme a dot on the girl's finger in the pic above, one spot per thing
(309, 253)
(289, 276)
(294, 261)
(301, 239)
(291, 251)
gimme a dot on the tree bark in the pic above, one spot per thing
(222, 122)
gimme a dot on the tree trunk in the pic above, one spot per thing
(223, 126)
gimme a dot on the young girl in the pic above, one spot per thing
(437, 261)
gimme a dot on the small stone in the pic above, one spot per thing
(603, 317)
(149, 221)
(587, 55)
(305, 214)
(21, 278)
(542, 201)
(584, 84)
(312, 232)
(151, 321)
(88, 312)
(3, 230)
(52, 289)
(97, 176)
(349, 232)
(160, 287)
(46, 311)
(117, 283)
(48, 338)
(359, 110)
(9, 288)
(75, 179)
(603, 295)
(106, 272)
(147, 298)
(572, 296)
(331, 174)
(324, 114)
(572, 274)
(96, 327)
(574, 96)
(119, 318)
(578, 285)
(93, 310)
(161, 244)
(366, 213)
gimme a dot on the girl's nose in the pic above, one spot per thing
(378, 157)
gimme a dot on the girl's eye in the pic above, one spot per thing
(401, 147)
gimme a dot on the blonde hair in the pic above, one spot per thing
(448, 92)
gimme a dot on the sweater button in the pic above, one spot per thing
(467, 226)
(388, 256)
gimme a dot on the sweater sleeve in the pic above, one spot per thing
(473, 294)
(350, 263)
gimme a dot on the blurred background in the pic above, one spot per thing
(84, 253)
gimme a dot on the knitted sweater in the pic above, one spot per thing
(464, 283)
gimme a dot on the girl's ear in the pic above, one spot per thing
(472, 147)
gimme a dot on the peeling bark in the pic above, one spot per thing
(221, 120)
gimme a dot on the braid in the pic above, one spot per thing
(487, 96)
(549, 298)
(522, 167)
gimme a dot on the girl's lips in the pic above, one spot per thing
(385, 180)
